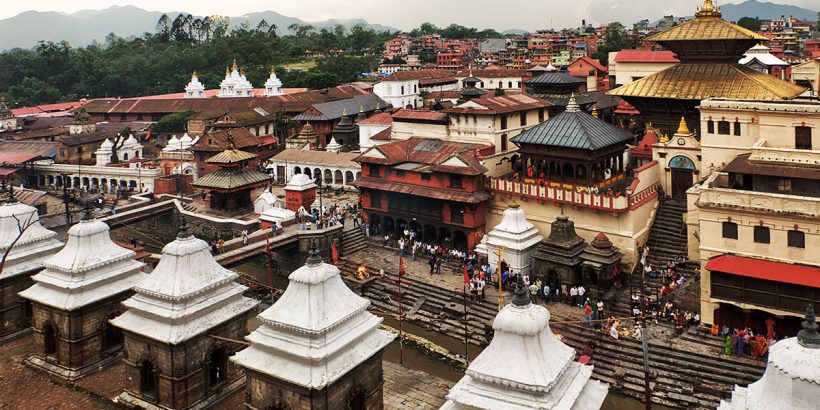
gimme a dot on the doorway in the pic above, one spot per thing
(682, 179)
(217, 364)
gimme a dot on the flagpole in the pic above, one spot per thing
(500, 290)
(466, 333)
(270, 272)
(401, 314)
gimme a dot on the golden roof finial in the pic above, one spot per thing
(708, 10)
(227, 71)
(664, 138)
(649, 126)
(193, 75)
(683, 129)
(594, 112)
(233, 68)
(242, 72)
(361, 108)
(272, 70)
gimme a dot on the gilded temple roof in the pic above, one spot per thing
(230, 156)
(707, 25)
(700, 81)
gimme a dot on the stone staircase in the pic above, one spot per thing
(353, 240)
(667, 240)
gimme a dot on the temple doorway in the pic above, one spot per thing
(217, 365)
(682, 171)
(148, 379)
(49, 339)
(357, 399)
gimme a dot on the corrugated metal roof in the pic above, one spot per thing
(742, 165)
(228, 179)
(350, 106)
(230, 156)
(702, 81)
(573, 130)
(555, 78)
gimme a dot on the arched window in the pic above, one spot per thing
(297, 170)
(568, 170)
(581, 172)
(125, 156)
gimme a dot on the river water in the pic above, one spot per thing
(412, 358)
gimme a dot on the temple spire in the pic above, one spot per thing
(313, 255)
(708, 10)
(184, 232)
(572, 104)
(522, 294)
(233, 68)
(809, 337)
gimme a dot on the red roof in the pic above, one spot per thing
(591, 61)
(419, 74)
(429, 155)
(45, 108)
(424, 115)
(644, 148)
(383, 135)
(495, 73)
(267, 140)
(14, 158)
(447, 95)
(626, 108)
(501, 104)
(641, 56)
(378, 119)
(766, 270)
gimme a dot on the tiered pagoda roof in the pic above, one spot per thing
(526, 367)
(188, 293)
(35, 243)
(317, 332)
(89, 268)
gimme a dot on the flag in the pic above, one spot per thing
(148, 135)
(402, 270)
(334, 253)
(466, 276)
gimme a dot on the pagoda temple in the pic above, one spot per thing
(24, 254)
(791, 380)
(172, 358)
(346, 134)
(73, 299)
(526, 366)
(318, 346)
(709, 49)
(229, 188)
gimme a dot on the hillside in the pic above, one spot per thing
(765, 11)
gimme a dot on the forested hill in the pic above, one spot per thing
(162, 62)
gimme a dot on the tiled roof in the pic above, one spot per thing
(299, 156)
(701, 81)
(36, 148)
(419, 74)
(643, 56)
(242, 138)
(422, 115)
(494, 73)
(501, 105)
(437, 80)
(432, 153)
(333, 110)
(383, 135)
(378, 119)
(228, 179)
(573, 129)
(450, 95)
(591, 61)
(555, 78)
(438, 193)
(45, 108)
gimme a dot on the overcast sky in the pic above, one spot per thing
(406, 14)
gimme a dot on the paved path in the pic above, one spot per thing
(412, 389)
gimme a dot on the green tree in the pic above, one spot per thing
(176, 122)
(751, 23)
(615, 39)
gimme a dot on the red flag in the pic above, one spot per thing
(334, 253)
(148, 135)
(402, 270)
(466, 276)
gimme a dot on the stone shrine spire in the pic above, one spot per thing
(273, 86)
(194, 89)
(516, 235)
(235, 84)
(792, 377)
(525, 366)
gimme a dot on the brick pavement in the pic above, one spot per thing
(412, 389)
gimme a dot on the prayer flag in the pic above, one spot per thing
(466, 276)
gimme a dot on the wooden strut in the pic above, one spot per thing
(225, 339)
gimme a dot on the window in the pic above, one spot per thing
(762, 234)
(504, 143)
(540, 115)
(399, 173)
(455, 181)
(710, 127)
(509, 84)
(425, 177)
(784, 185)
(797, 239)
(373, 170)
(402, 90)
(730, 230)
(723, 127)
(376, 199)
(457, 213)
(737, 128)
(503, 121)
(802, 137)
(523, 118)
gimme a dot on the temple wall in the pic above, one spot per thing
(12, 314)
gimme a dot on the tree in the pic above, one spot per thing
(176, 122)
(164, 28)
(119, 140)
(615, 39)
(750, 23)
(22, 227)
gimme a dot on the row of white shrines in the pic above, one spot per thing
(318, 346)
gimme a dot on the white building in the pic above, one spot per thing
(333, 168)
(398, 92)
(129, 149)
(194, 89)
(235, 84)
(374, 130)
(626, 66)
(759, 58)
(792, 377)
(516, 236)
(135, 176)
(526, 367)
(273, 86)
(34, 244)
(317, 333)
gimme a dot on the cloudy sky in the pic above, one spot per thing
(406, 14)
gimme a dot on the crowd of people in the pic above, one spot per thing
(742, 341)
(328, 216)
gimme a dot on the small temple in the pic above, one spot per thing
(229, 187)
(235, 83)
(317, 341)
(74, 297)
(172, 359)
(709, 49)
(273, 85)
(346, 134)
(194, 89)
(24, 255)
(515, 237)
(306, 139)
(791, 380)
(526, 366)
(573, 148)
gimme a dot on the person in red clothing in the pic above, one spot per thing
(588, 313)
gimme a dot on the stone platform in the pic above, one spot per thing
(71, 375)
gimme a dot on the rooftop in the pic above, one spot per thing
(645, 56)
(499, 105)
(231, 178)
(434, 154)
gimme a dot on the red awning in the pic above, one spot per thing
(766, 270)
(17, 157)
(270, 139)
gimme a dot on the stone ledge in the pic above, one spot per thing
(129, 399)
(66, 373)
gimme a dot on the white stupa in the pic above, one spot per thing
(130, 149)
(187, 294)
(194, 89)
(526, 367)
(333, 146)
(317, 332)
(90, 268)
(103, 153)
(235, 84)
(173, 145)
(516, 235)
(792, 377)
(273, 86)
(264, 201)
(34, 245)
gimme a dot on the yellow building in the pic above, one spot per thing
(754, 223)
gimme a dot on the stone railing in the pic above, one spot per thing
(714, 193)
(94, 171)
(762, 153)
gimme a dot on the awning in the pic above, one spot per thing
(4, 172)
(766, 270)
(270, 139)
(17, 157)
